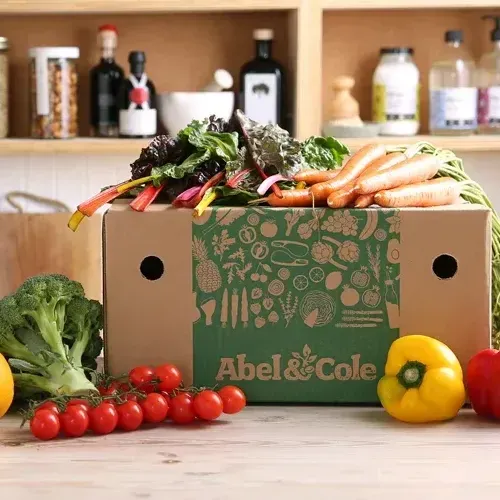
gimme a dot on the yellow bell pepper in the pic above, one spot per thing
(423, 381)
(6, 386)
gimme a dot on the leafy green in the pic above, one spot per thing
(235, 197)
(206, 145)
(323, 153)
(272, 147)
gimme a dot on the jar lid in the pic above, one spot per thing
(396, 50)
(108, 27)
(55, 52)
(454, 36)
(4, 43)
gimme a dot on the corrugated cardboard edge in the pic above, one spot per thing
(456, 311)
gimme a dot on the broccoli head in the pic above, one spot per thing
(50, 333)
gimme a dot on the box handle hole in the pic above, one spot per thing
(152, 268)
(445, 266)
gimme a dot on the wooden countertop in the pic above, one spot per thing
(264, 452)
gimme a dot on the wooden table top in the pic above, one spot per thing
(264, 452)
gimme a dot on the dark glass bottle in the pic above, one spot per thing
(262, 83)
(137, 100)
(105, 81)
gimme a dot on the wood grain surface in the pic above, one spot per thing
(264, 452)
(42, 243)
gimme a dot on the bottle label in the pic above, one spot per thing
(454, 108)
(261, 98)
(395, 103)
(139, 118)
(138, 122)
(489, 106)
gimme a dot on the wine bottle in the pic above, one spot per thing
(262, 83)
(137, 100)
(105, 80)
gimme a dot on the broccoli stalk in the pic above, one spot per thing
(50, 333)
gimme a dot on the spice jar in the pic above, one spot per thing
(4, 88)
(54, 80)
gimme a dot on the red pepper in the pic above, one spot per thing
(483, 383)
(146, 197)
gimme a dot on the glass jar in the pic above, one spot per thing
(54, 92)
(396, 92)
(4, 88)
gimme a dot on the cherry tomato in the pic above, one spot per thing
(130, 416)
(109, 390)
(48, 405)
(141, 376)
(79, 403)
(45, 425)
(103, 418)
(154, 407)
(208, 405)
(233, 399)
(182, 409)
(74, 421)
(169, 376)
(166, 395)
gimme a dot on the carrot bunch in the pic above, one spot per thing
(375, 176)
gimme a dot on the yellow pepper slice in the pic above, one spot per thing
(423, 381)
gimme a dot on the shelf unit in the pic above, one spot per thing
(132, 147)
(315, 40)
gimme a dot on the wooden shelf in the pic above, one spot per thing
(145, 6)
(132, 147)
(474, 143)
(407, 4)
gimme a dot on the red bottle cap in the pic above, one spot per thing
(108, 27)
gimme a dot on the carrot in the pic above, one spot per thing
(433, 193)
(343, 196)
(364, 201)
(416, 169)
(313, 176)
(291, 198)
(383, 163)
(351, 171)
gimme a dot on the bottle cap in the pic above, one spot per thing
(137, 57)
(454, 36)
(263, 34)
(396, 50)
(108, 27)
(495, 32)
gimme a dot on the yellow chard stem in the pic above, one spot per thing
(205, 202)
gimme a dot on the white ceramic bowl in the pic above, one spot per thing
(177, 109)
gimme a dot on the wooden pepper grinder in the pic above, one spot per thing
(344, 109)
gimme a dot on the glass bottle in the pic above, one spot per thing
(488, 81)
(137, 100)
(105, 80)
(453, 95)
(262, 83)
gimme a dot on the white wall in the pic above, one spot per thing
(72, 179)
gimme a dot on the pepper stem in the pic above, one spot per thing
(411, 374)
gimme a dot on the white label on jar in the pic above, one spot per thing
(261, 98)
(400, 102)
(494, 103)
(138, 122)
(460, 104)
(42, 85)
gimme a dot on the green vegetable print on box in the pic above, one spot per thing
(295, 304)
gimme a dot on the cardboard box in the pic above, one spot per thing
(293, 305)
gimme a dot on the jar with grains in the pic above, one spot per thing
(4, 88)
(54, 92)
